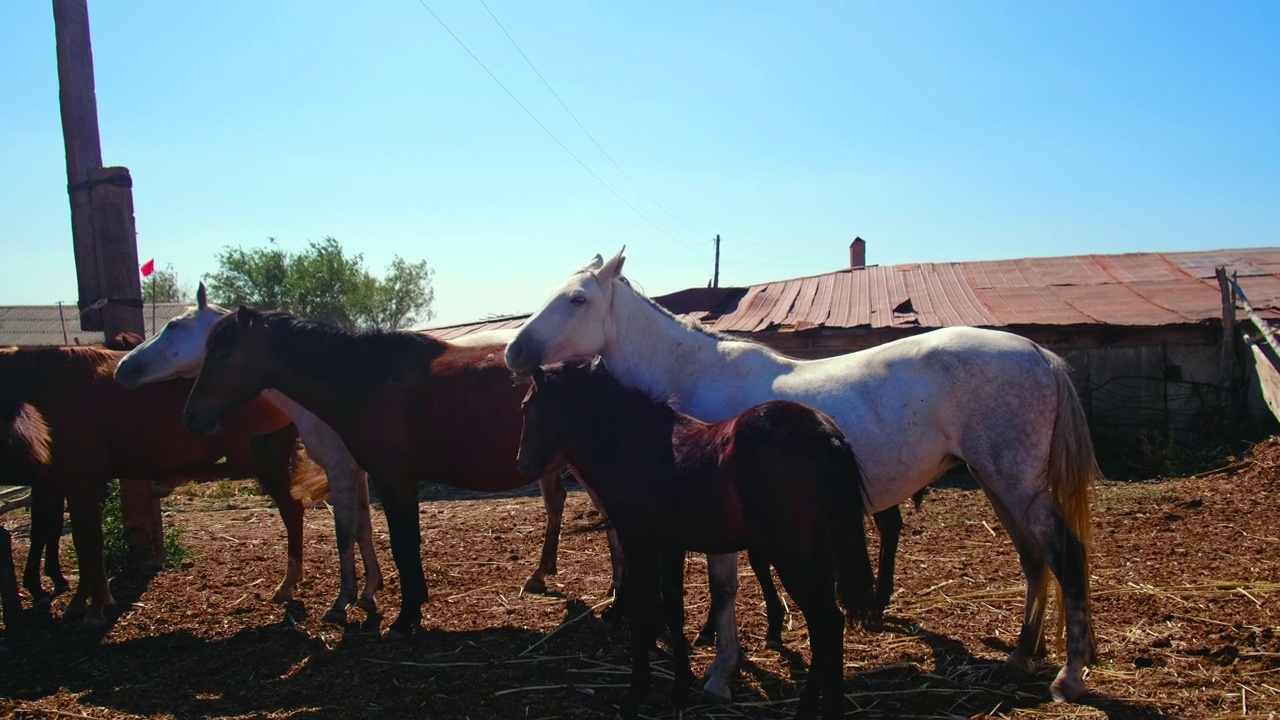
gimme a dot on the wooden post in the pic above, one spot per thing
(102, 232)
(79, 104)
(715, 279)
(1227, 359)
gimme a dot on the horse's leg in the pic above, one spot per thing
(553, 496)
(364, 539)
(342, 495)
(722, 572)
(644, 589)
(84, 503)
(273, 454)
(43, 498)
(773, 607)
(889, 527)
(400, 505)
(52, 547)
(1044, 538)
(10, 602)
(615, 613)
(671, 585)
(814, 593)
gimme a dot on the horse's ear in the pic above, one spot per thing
(202, 297)
(245, 316)
(538, 375)
(613, 269)
(595, 263)
(597, 364)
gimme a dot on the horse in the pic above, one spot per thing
(92, 429)
(409, 407)
(178, 351)
(47, 504)
(779, 479)
(912, 409)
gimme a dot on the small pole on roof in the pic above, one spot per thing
(715, 279)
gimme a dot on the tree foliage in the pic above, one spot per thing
(162, 287)
(324, 283)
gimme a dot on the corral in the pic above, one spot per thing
(1184, 593)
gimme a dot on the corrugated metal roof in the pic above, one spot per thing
(54, 325)
(1137, 289)
(453, 332)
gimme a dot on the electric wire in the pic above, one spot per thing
(547, 130)
(587, 132)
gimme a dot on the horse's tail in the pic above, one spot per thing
(855, 581)
(308, 482)
(25, 433)
(1073, 468)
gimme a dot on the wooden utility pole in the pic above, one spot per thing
(715, 278)
(102, 232)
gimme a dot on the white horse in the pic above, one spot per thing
(178, 351)
(911, 409)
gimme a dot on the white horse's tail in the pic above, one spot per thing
(1073, 468)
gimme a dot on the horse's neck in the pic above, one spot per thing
(333, 384)
(614, 432)
(652, 351)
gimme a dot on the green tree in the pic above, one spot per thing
(324, 283)
(163, 287)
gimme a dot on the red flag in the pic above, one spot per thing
(148, 267)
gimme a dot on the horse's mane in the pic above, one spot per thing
(308, 344)
(601, 379)
(690, 322)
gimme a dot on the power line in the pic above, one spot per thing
(583, 128)
(547, 130)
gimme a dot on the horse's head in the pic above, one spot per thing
(176, 351)
(235, 369)
(549, 417)
(576, 321)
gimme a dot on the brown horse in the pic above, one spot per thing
(775, 480)
(409, 407)
(97, 430)
(47, 503)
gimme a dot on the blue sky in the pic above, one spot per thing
(937, 131)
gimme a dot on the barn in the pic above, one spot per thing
(60, 325)
(1143, 331)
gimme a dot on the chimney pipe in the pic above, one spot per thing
(858, 253)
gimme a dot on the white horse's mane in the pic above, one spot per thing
(690, 322)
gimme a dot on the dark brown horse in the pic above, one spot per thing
(97, 430)
(775, 480)
(409, 407)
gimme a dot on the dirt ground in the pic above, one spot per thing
(1184, 594)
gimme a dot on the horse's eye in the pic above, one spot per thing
(578, 299)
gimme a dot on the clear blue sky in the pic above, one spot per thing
(937, 131)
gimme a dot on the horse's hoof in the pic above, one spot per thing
(1066, 687)
(368, 605)
(536, 585)
(711, 696)
(93, 624)
(281, 597)
(335, 616)
(1020, 663)
(704, 638)
(614, 617)
(775, 644)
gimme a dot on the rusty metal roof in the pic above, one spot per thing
(1136, 289)
(54, 325)
(453, 332)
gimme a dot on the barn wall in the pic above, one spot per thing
(1132, 381)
